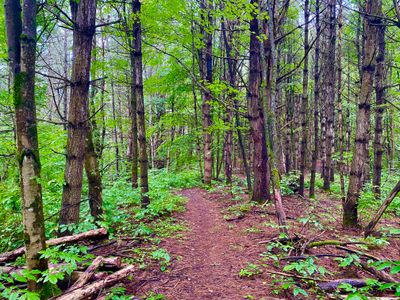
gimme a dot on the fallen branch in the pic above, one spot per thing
(87, 291)
(87, 275)
(92, 234)
(381, 275)
(235, 218)
(332, 243)
(370, 228)
(295, 276)
(303, 257)
(350, 250)
(331, 286)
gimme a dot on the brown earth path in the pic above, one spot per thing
(209, 258)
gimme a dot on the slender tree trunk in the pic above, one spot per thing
(350, 211)
(206, 72)
(65, 73)
(379, 110)
(92, 157)
(134, 128)
(21, 38)
(84, 16)
(232, 71)
(94, 177)
(143, 160)
(304, 123)
(273, 140)
(115, 131)
(340, 121)
(316, 101)
(196, 115)
(330, 91)
(256, 112)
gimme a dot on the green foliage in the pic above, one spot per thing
(290, 183)
(250, 271)
(117, 293)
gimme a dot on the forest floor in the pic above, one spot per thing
(230, 250)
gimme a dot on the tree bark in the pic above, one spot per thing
(379, 110)
(94, 177)
(138, 92)
(316, 100)
(330, 91)
(340, 121)
(92, 156)
(206, 73)
(256, 114)
(21, 38)
(133, 107)
(350, 212)
(84, 17)
(304, 107)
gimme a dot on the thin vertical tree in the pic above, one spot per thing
(340, 118)
(304, 106)
(206, 74)
(21, 39)
(330, 80)
(379, 109)
(316, 100)
(95, 187)
(138, 94)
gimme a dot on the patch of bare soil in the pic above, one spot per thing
(209, 259)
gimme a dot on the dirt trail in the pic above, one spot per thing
(209, 257)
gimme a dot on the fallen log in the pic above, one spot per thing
(87, 275)
(370, 227)
(90, 235)
(108, 264)
(331, 286)
(90, 290)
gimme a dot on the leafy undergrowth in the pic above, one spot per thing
(317, 250)
(135, 234)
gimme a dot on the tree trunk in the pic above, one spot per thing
(92, 156)
(84, 16)
(316, 101)
(256, 113)
(330, 91)
(134, 127)
(115, 130)
(94, 177)
(143, 160)
(350, 212)
(340, 121)
(21, 37)
(379, 110)
(232, 71)
(304, 107)
(273, 141)
(206, 73)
